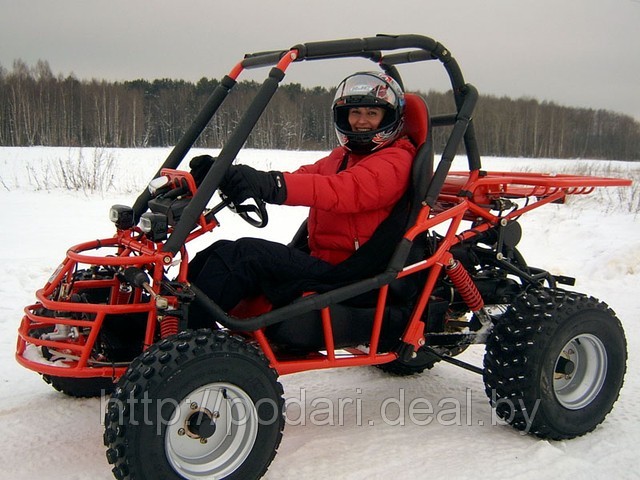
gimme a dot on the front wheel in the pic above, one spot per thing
(197, 405)
(555, 363)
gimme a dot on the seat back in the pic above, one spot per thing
(416, 118)
(418, 127)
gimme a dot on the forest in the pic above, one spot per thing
(38, 107)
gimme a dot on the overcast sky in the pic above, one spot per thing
(583, 53)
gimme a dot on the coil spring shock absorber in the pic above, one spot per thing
(169, 326)
(124, 294)
(465, 286)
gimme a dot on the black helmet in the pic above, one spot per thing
(368, 89)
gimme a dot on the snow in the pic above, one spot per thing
(352, 423)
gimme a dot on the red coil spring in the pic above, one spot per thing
(169, 326)
(465, 286)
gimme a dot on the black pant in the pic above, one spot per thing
(229, 271)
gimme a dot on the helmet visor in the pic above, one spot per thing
(365, 89)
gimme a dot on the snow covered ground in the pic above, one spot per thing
(373, 431)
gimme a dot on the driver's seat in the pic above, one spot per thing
(352, 320)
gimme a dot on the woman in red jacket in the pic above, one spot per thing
(350, 192)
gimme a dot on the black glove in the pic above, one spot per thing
(242, 182)
(200, 166)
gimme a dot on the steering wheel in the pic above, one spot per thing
(255, 214)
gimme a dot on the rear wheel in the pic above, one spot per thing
(555, 363)
(423, 360)
(197, 405)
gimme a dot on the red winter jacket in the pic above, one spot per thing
(347, 206)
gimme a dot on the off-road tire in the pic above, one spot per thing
(423, 361)
(81, 387)
(555, 363)
(207, 372)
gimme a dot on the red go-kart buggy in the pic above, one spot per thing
(207, 403)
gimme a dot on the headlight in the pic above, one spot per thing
(122, 216)
(154, 225)
(157, 184)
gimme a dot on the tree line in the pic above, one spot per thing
(40, 108)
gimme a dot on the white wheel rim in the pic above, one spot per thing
(578, 388)
(222, 449)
